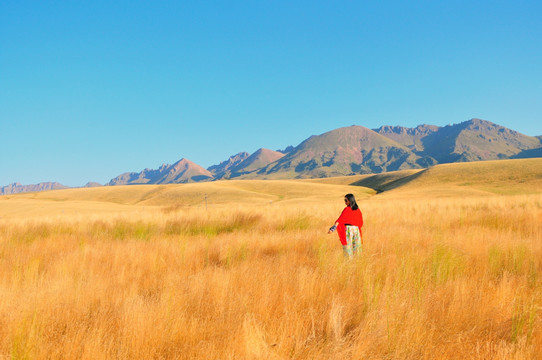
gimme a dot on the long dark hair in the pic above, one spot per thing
(352, 200)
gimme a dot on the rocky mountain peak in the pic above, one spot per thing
(224, 167)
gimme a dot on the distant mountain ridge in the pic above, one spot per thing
(409, 137)
(359, 150)
(476, 140)
(19, 188)
(348, 151)
(183, 171)
(472, 140)
(92, 184)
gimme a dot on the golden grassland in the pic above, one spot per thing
(503, 177)
(147, 272)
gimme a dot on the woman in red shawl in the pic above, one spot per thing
(348, 226)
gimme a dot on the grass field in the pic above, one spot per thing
(451, 269)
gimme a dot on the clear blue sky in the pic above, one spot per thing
(91, 89)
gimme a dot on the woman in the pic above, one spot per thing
(348, 226)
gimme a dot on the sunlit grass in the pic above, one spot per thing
(438, 278)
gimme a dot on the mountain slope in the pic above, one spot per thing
(342, 151)
(183, 171)
(259, 159)
(475, 140)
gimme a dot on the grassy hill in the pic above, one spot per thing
(507, 177)
(134, 198)
(519, 176)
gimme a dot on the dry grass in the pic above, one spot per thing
(503, 177)
(446, 278)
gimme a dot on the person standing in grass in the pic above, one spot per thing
(348, 227)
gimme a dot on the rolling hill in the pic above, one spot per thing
(484, 178)
(133, 199)
(517, 176)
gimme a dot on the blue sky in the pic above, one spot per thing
(89, 90)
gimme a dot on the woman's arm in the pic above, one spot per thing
(332, 229)
(338, 221)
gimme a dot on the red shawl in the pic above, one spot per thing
(348, 217)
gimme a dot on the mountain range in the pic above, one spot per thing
(18, 187)
(347, 151)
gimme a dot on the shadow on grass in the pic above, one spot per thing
(389, 181)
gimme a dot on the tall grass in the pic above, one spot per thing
(448, 279)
